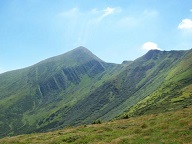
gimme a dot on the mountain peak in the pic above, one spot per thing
(151, 54)
(81, 50)
(76, 56)
(81, 54)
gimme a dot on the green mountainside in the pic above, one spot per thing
(173, 94)
(38, 97)
(143, 78)
(78, 88)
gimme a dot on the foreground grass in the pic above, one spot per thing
(171, 127)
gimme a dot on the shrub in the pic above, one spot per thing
(126, 116)
(96, 122)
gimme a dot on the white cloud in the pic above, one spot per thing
(94, 14)
(150, 46)
(191, 10)
(108, 11)
(185, 24)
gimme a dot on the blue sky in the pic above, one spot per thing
(33, 30)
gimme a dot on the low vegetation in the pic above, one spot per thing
(170, 127)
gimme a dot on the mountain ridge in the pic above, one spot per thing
(77, 88)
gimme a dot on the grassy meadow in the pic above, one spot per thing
(171, 127)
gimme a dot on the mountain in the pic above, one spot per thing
(78, 88)
(38, 97)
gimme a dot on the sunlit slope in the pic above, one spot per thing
(174, 93)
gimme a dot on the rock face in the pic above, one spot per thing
(79, 88)
(71, 75)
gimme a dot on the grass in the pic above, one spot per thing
(171, 127)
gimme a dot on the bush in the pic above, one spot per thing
(96, 122)
(126, 116)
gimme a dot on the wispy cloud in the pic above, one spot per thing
(191, 10)
(108, 11)
(79, 26)
(150, 46)
(92, 14)
(186, 24)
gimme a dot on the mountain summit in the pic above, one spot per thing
(76, 56)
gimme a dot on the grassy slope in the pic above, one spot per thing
(171, 127)
(173, 94)
(140, 79)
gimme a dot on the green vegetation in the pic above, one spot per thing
(77, 88)
(96, 122)
(173, 94)
(171, 127)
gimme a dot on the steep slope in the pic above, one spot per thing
(37, 98)
(140, 79)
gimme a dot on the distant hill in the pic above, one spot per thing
(78, 88)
